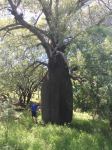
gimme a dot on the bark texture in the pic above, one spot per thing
(57, 97)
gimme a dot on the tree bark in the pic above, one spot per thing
(29, 95)
(56, 92)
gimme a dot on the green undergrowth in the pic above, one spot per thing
(82, 134)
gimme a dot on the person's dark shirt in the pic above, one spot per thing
(34, 107)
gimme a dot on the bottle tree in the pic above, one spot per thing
(56, 92)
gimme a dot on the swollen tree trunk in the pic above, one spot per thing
(56, 93)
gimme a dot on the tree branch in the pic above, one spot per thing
(18, 3)
(34, 30)
(50, 19)
(50, 3)
(105, 4)
(40, 82)
(103, 19)
(39, 62)
(11, 27)
(36, 62)
(78, 78)
(38, 18)
(80, 4)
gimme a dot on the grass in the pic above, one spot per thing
(82, 134)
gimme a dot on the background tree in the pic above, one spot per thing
(21, 70)
(93, 57)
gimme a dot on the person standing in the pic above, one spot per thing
(34, 111)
